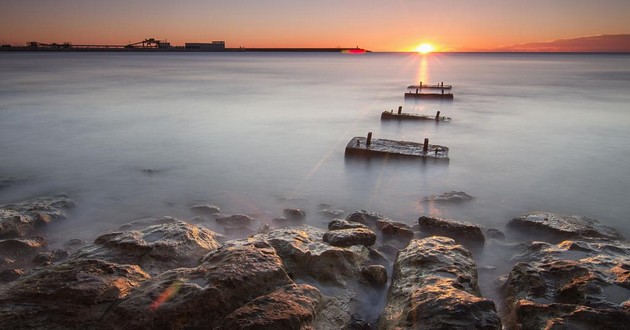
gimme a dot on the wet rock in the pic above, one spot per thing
(294, 214)
(72, 294)
(236, 220)
(449, 197)
(207, 210)
(492, 233)
(392, 229)
(388, 250)
(558, 227)
(462, 232)
(364, 217)
(375, 275)
(349, 237)
(156, 248)
(305, 255)
(9, 275)
(49, 257)
(290, 307)
(434, 286)
(336, 224)
(571, 284)
(358, 323)
(537, 316)
(202, 297)
(21, 247)
(331, 214)
(20, 219)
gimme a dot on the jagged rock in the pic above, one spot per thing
(558, 227)
(449, 197)
(304, 254)
(349, 237)
(228, 278)
(336, 224)
(462, 232)
(20, 219)
(236, 220)
(9, 275)
(561, 316)
(156, 248)
(357, 323)
(21, 247)
(434, 286)
(207, 210)
(294, 214)
(331, 214)
(392, 229)
(72, 294)
(48, 257)
(290, 307)
(375, 275)
(571, 284)
(367, 218)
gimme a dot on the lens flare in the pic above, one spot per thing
(425, 48)
(166, 295)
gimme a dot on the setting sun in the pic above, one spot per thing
(425, 48)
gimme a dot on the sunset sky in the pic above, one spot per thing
(378, 25)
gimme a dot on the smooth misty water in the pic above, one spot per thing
(255, 133)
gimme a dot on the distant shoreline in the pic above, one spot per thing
(272, 50)
(179, 50)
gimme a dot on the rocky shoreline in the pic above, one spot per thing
(364, 271)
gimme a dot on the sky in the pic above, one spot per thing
(377, 25)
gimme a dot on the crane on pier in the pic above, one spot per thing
(149, 43)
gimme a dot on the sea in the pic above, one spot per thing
(135, 135)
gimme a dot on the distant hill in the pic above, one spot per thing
(601, 43)
(591, 44)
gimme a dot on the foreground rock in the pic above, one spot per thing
(17, 254)
(449, 197)
(202, 297)
(157, 248)
(21, 219)
(573, 284)
(336, 224)
(434, 286)
(393, 229)
(462, 232)
(69, 295)
(305, 255)
(558, 227)
(364, 217)
(349, 237)
(290, 307)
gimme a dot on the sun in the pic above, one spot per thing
(425, 48)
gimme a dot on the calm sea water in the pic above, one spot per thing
(255, 133)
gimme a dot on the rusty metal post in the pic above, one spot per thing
(369, 139)
(425, 148)
(437, 116)
(399, 109)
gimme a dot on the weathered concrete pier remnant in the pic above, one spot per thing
(359, 146)
(390, 115)
(415, 91)
(436, 86)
